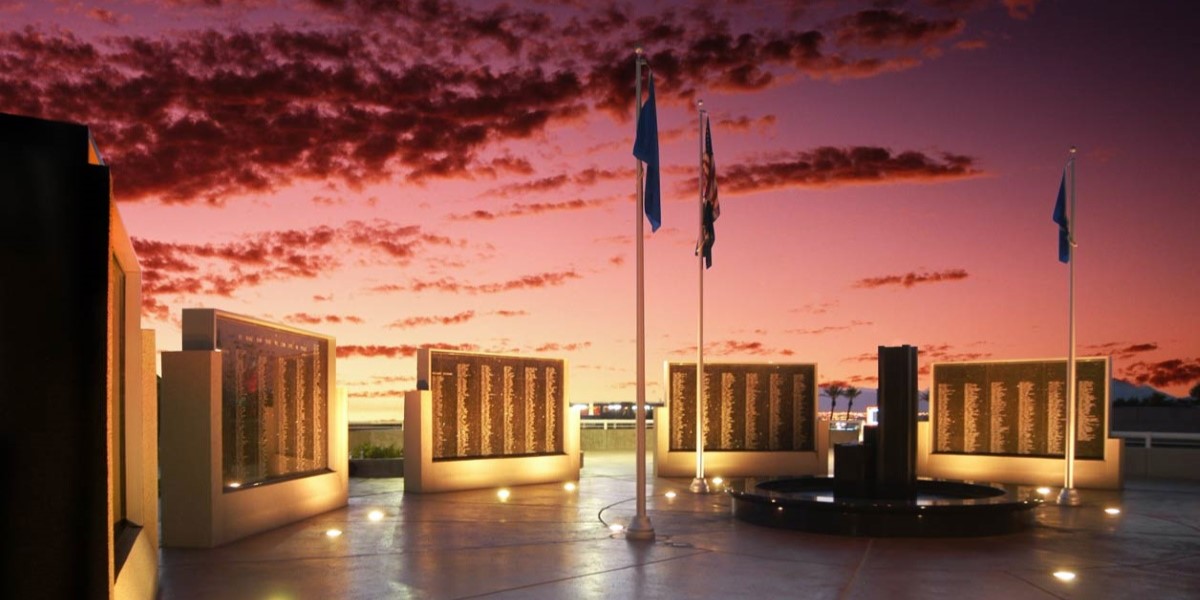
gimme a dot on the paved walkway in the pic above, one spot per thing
(549, 542)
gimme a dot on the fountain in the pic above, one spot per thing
(875, 490)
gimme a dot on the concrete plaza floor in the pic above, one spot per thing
(545, 541)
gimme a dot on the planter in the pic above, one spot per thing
(377, 467)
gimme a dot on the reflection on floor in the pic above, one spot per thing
(548, 541)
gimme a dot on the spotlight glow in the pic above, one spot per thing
(333, 533)
(1045, 491)
(503, 494)
(1112, 511)
(570, 487)
(375, 515)
(1064, 575)
(670, 494)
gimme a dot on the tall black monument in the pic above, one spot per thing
(896, 436)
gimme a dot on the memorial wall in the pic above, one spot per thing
(478, 420)
(487, 405)
(1018, 408)
(273, 401)
(254, 434)
(747, 407)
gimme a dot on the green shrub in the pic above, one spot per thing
(369, 450)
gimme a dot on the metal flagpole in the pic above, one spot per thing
(699, 485)
(640, 528)
(1069, 496)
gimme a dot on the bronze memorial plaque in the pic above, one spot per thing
(1018, 408)
(274, 395)
(748, 407)
(490, 405)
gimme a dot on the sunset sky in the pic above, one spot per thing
(459, 174)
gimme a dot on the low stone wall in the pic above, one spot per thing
(1167, 419)
(1160, 463)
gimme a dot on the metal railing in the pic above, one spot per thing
(1157, 439)
(612, 424)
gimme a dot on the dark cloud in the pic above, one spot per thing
(946, 353)
(368, 90)
(557, 347)
(510, 313)
(828, 166)
(830, 328)
(392, 393)
(886, 27)
(584, 178)
(532, 208)
(744, 123)
(455, 319)
(1020, 9)
(453, 286)
(928, 353)
(910, 279)
(815, 308)
(308, 319)
(401, 351)
(221, 269)
(1122, 349)
(734, 348)
(208, 114)
(108, 17)
(1165, 373)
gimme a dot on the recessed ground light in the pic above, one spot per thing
(670, 494)
(1112, 511)
(1064, 575)
(503, 494)
(570, 487)
(616, 528)
(1045, 491)
(333, 532)
(375, 515)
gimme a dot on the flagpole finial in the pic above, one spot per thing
(700, 104)
(638, 50)
(1072, 149)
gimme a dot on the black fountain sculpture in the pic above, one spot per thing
(875, 490)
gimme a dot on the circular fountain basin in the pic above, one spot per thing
(940, 508)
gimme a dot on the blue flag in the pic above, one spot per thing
(645, 148)
(712, 208)
(1060, 217)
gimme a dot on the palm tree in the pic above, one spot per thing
(851, 393)
(834, 391)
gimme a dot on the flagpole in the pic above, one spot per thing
(699, 485)
(640, 528)
(1069, 496)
